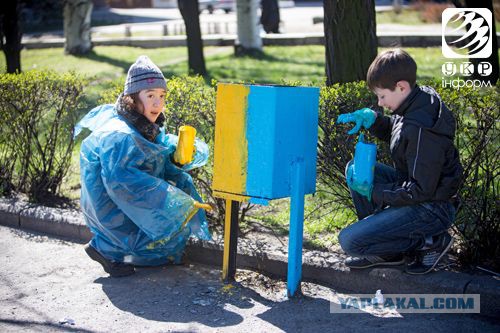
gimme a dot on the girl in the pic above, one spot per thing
(141, 205)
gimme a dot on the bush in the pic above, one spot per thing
(478, 141)
(37, 116)
(335, 147)
(8, 158)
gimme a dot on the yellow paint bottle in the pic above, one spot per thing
(185, 147)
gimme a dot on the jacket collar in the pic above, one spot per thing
(408, 101)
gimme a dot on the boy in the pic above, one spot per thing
(408, 208)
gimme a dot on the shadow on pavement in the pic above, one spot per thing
(40, 326)
(195, 294)
(178, 294)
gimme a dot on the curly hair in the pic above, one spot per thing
(130, 102)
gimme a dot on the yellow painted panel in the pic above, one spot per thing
(230, 152)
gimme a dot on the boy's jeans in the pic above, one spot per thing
(393, 230)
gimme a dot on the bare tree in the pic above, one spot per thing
(350, 39)
(10, 34)
(249, 41)
(190, 14)
(77, 15)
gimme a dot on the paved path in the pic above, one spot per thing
(150, 21)
(49, 285)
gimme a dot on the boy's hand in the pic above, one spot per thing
(364, 117)
(363, 189)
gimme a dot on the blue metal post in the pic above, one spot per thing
(296, 228)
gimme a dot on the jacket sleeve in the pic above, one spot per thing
(155, 206)
(424, 161)
(382, 127)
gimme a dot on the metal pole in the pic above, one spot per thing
(230, 240)
(296, 228)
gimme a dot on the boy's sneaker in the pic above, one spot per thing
(370, 261)
(425, 260)
(113, 268)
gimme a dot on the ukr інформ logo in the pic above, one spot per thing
(466, 34)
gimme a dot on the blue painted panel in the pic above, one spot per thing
(282, 124)
(261, 132)
(296, 137)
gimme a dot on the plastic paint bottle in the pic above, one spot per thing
(185, 147)
(365, 157)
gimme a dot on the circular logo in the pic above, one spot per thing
(466, 33)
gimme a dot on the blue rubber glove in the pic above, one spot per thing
(364, 117)
(363, 189)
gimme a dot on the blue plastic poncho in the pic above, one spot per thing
(138, 204)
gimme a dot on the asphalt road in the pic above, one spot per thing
(49, 285)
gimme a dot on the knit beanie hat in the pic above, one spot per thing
(143, 74)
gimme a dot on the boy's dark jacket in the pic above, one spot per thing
(420, 133)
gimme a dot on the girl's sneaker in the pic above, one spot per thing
(113, 268)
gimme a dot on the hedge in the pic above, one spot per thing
(37, 114)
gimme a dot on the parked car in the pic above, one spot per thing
(212, 5)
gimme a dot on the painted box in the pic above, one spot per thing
(260, 131)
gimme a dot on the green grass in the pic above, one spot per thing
(106, 61)
(305, 63)
(102, 66)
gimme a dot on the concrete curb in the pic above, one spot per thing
(321, 267)
(384, 40)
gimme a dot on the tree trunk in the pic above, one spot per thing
(190, 14)
(270, 16)
(249, 41)
(350, 39)
(493, 58)
(10, 34)
(397, 6)
(77, 14)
